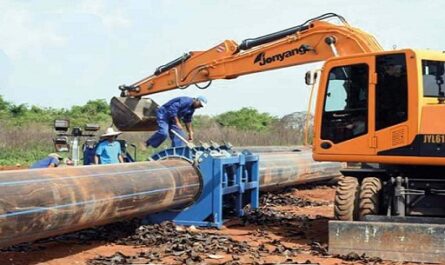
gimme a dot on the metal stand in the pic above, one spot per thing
(75, 150)
(229, 183)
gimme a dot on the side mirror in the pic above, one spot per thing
(310, 78)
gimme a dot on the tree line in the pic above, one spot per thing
(98, 111)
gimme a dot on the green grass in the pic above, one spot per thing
(26, 157)
(13, 156)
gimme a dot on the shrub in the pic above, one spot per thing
(246, 119)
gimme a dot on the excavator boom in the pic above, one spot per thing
(313, 41)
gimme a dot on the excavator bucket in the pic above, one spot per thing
(134, 114)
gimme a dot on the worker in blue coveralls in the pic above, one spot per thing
(52, 160)
(169, 117)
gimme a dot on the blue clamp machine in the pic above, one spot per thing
(230, 183)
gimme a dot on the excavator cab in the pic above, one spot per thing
(379, 107)
(134, 114)
(363, 105)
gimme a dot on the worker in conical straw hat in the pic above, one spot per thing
(109, 151)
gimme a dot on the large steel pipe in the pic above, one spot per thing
(41, 203)
(283, 169)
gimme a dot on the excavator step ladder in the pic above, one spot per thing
(134, 114)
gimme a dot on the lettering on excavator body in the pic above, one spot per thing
(263, 60)
(434, 139)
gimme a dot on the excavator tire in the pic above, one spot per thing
(369, 197)
(347, 199)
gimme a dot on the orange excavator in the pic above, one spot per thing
(378, 109)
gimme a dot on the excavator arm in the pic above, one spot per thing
(313, 41)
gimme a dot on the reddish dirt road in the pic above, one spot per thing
(11, 167)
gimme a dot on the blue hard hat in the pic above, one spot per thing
(202, 100)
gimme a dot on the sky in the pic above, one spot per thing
(61, 53)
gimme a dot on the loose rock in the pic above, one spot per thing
(352, 256)
(319, 249)
(268, 216)
(182, 243)
(286, 199)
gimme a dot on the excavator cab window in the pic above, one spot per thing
(391, 90)
(345, 114)
(433, 78)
